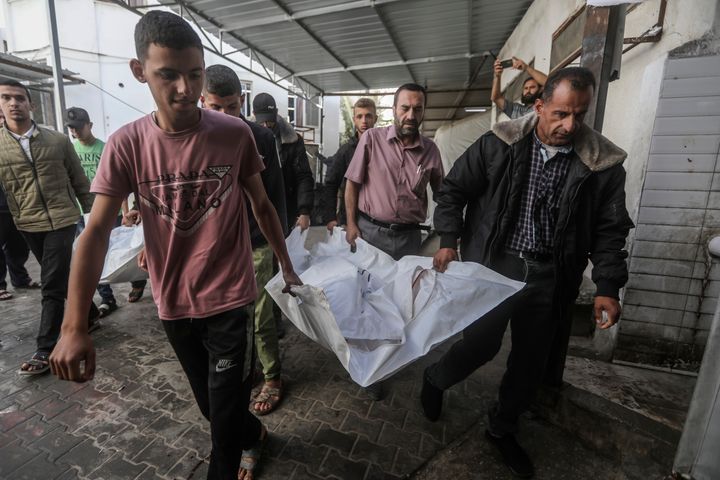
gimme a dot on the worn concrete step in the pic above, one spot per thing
(630, 415)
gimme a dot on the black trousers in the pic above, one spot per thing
(53, 251)
(533, 324)
(15, 252)
(216, 354)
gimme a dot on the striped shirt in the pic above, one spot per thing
(540, 201)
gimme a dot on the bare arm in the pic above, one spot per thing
(75, 344)
(269, 224)
(124, 207)
(496, 94)
(352, 192)
(537, 75)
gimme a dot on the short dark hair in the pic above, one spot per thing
(413, 87)
(222, 81)
(580, 78)
(165, 29)
(365, 103)
(531, 78)
(6, 82)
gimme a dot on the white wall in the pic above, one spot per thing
(632, 100)
(96, 40)
(332, 125)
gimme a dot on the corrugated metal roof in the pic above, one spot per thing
(332, 46)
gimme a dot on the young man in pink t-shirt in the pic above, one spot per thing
(192, 171)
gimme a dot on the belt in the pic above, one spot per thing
(398, 227)
(534, 256)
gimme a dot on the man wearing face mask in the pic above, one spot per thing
(531, 91)
(386, 191)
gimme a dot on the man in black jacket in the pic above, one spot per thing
(299, 183)
(364, 118)
(223, 93)
(544, 193)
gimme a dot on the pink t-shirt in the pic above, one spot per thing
(193, 210)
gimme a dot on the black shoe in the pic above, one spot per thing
(513, 454)
(374, 391)
(431, 398)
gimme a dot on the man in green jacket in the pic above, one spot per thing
(42, 177)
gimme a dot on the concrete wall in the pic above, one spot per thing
(96, 40)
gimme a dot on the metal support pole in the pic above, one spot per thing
(602, 54)
(59, 90)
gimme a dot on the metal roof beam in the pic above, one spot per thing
(124, 4)
(320, 42)
(393, 40)
(309, 13)
(394, 63)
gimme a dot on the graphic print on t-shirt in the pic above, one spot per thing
(186, 200)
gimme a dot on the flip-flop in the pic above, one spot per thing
(5, 295)
(136, 294)
(40, 361)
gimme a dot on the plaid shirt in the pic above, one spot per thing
(540, 201)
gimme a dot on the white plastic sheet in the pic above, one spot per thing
(378, 315)
(121, 259)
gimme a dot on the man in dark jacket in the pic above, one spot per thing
(333, 211)
(223, 93)
(544, 193)
(42, 177)
(299, 183)
(14, 254)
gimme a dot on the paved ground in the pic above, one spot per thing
(137, 420)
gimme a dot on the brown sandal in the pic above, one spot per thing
(270, 395)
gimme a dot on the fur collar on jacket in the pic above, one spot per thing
(595, 151)
(286, 130)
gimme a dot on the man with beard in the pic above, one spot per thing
(364, 118)
(531, 91)
(386, 189)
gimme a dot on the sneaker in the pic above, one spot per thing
(513, 454)
(106, 308)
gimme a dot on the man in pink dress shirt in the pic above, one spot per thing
(386, 190)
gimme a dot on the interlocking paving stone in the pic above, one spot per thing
(14, 455)
(342, 468)
(380, 455)
(364, 426)
(160, 456)
(37, 468)
(86, 457)
(58, 442)
(394, 436)
(32, 429)
(301, 452)
(343, 442)
(117, 468)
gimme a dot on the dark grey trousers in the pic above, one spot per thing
(395, 243)
(533, 326)
(53, 251)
